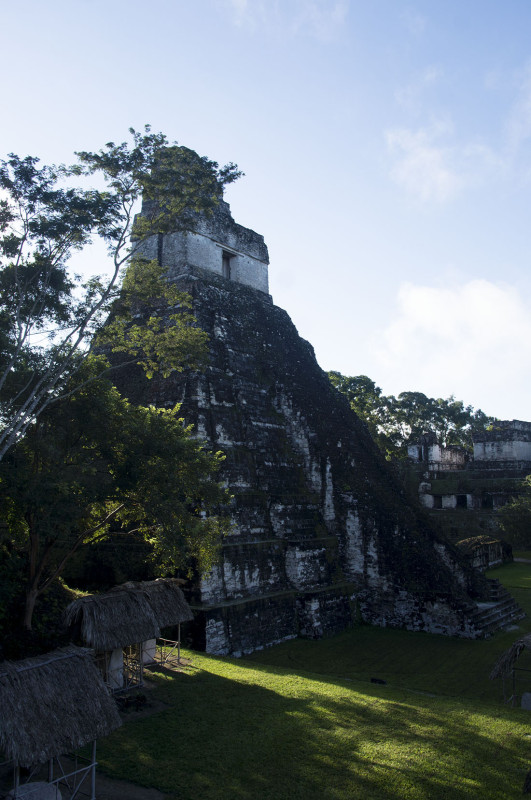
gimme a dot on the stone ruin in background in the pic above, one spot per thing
(473, 485)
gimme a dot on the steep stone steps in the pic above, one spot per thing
(500, 611)
(497, 590)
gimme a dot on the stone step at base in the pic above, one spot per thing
(500, 607)
(498, 618)
(490, 617)
(497, 591)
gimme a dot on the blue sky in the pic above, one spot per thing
(386, 146)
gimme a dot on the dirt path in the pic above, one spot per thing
(106, 788)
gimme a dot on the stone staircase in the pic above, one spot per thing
(500, 611)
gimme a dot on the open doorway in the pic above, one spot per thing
(225, 264)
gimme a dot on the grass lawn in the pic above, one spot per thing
(513, 575)
(417, 661)
(236, 729)
(302, 720)
(522, 554)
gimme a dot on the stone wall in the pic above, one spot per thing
(478, 484)
(509, 441)
(217, 244)
(437, 457)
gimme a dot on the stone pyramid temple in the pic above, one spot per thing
(323, 533)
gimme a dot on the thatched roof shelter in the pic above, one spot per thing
(53, 704)
(165, 598)
(507, 660)
(112, 620)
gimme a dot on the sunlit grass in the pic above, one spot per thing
(303, 720)
(418, 661)
(514, 574)
(235, 729)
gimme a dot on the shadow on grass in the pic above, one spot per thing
(243, 731)
(418, 661)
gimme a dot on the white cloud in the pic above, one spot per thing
(248, 13)
(409, 97)
(518, 125)
(240, 7)
(472, 340)
(415, 23)
(320, 19)
(423, 167)
(514, 152)
(433, 164)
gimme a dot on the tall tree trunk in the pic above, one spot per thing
(31, 599)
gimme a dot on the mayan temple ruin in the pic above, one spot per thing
(322, 532)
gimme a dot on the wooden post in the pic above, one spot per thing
(93, 772)
(179, 643)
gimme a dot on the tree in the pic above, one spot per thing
(515, 517)
(368, 403)
(450, 420)
(394, 422)
(92, 463)
(47, 315)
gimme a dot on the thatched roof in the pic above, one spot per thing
(53, 704)
(506, 662)
(165, 598)
(112, 620)
(471, 544)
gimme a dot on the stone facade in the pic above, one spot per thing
(217, 244)
(508, 444)
(488, 479)
(461, 500)
(428, 451)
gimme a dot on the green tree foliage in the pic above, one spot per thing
(368, 403)
(394, 422)
(92, 463)
(48, 315)
(515, 517)
(152, 324)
